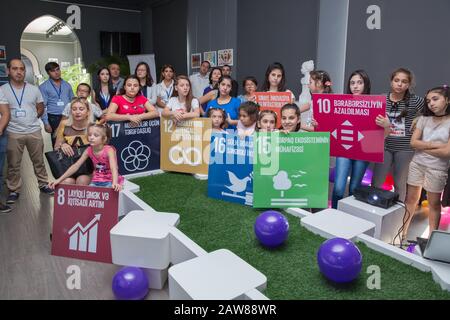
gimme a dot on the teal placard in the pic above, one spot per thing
(291, 170)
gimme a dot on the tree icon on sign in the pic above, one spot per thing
(281, 182)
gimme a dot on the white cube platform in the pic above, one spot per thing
(387, 221)
(142, 239)
(218, 275)
(331, 223)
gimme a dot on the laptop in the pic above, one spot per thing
(437, 247)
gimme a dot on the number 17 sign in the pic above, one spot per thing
(350, 119)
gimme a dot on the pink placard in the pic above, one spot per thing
(82, 219)
(350, 119)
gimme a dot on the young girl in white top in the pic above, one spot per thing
(182, 106)
(165, 87)
(218, 119)
(290, 118)
(430, 163)
(267, 120)
(248, 115)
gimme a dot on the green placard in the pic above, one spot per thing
(291, 170)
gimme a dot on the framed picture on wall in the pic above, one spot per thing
(210, 56)
(53, 60)
(2, 53)
(196, 59)
(3, 73)
(225, 57)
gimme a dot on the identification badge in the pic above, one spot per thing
(398, 127)
(21, 113)
(60, 103)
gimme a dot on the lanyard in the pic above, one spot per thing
(169, 92)
(105, 98)
(60, 89)
(19, 102)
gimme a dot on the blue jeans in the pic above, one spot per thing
(105, 184)
(343, 166)
(3, 145)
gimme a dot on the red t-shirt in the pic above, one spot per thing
(126, 107)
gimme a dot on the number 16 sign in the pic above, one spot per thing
(350, 119)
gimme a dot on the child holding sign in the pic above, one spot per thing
(103, 156)
(290, 118)
(319, 82)
(429, 165)
(267, 120)
(248, 115)
(226, 101)
(182, 105)
(218, 117)
(275, 80)
(358, 83)
(130, 105)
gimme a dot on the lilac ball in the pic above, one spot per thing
(339, 260)
(271, 228)
(130, 283)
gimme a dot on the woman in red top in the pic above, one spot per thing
(129, 105)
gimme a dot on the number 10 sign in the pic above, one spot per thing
(350, 119)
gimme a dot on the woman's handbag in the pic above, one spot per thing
(59, 162)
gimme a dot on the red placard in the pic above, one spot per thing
(273, 101)
(350, 119)
(82, 219)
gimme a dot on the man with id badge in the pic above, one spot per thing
(57, 93)
(24, 129)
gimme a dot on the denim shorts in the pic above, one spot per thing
(105, 184)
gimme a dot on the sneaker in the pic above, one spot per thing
(12, 198)
(47, 190)
(4, 208)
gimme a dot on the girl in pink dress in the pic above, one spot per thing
(103, 156)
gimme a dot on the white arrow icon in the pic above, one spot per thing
(334, 133)
(360, 136)
(347, 124)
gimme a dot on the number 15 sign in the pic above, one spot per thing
(350, 119)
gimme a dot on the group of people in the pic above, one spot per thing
(416, 129)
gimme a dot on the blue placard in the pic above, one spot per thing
(231, 168)
(138, 148)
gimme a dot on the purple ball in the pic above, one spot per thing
(331, 174)
(130, 283)
(339, 260)
(271, 228)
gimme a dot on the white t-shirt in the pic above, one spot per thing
(165, 92)
(199, 83)
(174, 104)
(95, 109)
(24, 118)
(432, 131)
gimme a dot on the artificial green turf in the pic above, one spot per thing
(291, 270)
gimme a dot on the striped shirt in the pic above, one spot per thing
(400, 137)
